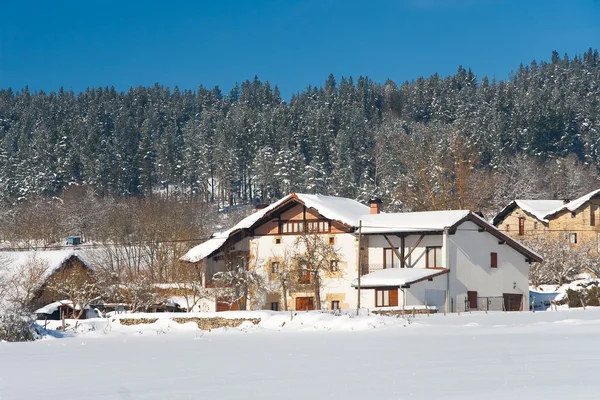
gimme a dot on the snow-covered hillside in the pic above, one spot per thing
(549, 355)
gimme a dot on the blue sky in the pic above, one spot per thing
(77, 44)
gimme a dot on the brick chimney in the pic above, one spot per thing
(565, 201)
(375, 206)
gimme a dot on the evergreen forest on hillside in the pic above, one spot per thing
(460, 141)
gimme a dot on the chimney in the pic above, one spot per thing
(375, 206)
(566, 201)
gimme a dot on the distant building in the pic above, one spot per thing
(576, 221)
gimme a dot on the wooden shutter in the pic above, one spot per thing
(521, 226)
(494, 260)
(393, 297)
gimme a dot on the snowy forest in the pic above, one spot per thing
(460, 141)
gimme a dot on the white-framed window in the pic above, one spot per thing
(573, 238)
(275, 265)
(274, 306)
(334, 266)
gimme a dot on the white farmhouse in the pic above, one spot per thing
(453, 260)
(447, 259)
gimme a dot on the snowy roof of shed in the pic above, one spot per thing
(392, 277)
(12, 261)
(346, 211)
(412, 221)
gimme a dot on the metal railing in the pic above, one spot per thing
(489, 303)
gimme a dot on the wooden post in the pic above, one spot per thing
(582, 303)
(427, 308)
(359, 264)
(62, 317)
(413, 314)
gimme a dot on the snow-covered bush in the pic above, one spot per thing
(16, 325)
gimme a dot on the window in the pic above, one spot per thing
(304, 274)
(333, 265)
(593, 215)
(335, 304)
(494, 260)
(275, 306)
(278, 241)
(331, 240)
(433, 258)
(573, 214)
(573, 238)
(317, 226)
(521, 226)
(390, 259)
(386, 298)
(507, 228)
(535, 225)
(275, 267)
(292, 227)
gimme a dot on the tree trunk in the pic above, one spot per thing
(317, 289)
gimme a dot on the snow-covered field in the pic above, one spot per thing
(543, 355)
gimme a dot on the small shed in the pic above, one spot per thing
(74, 240)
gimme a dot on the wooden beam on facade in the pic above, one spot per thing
(414, 247)
(394, 249)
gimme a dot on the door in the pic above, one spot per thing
(472, 299)
(225, 306)
(304, 304)
(513, 302)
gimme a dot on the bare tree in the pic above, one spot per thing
(313, 258)
(238, 282)
(25, 281)
(562, 262)
(445, 174)
(283, 275)
(80, 286)
(139, 291)
(189, 282)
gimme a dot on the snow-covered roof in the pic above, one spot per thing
(11, 262)
(538, 208)
(340, 209)
(53, 307)
(396, 277)
(543, 210)
(575, 204)
(412, 221)
(435, 221)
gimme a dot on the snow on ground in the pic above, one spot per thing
(549, 355)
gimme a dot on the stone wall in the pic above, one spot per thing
(205, 324)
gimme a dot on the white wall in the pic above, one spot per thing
(263, 248)
(416, 260)
(470, 266)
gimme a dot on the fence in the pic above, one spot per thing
(490, 303)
